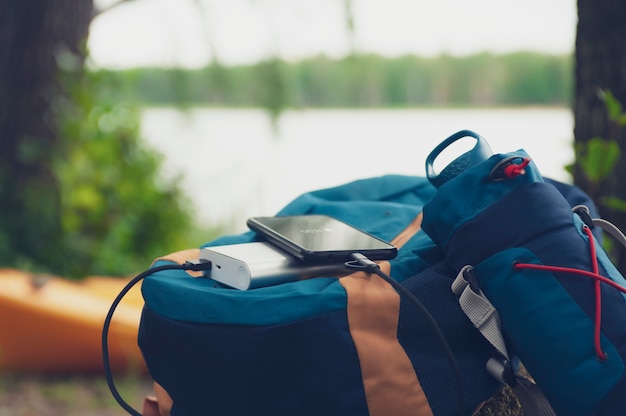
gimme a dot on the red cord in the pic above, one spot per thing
(558, 269)
(512, 171)
(598, 321)
(593, 275)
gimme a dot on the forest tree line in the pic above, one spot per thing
(521, 78)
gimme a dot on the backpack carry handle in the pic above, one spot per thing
(480, 152)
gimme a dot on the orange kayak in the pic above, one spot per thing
(54, 325)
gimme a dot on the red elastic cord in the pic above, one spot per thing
(593, 275)
(513, 170)
(598, 322)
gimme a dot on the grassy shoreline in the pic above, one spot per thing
(68, 395)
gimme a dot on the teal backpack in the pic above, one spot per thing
(359, 344)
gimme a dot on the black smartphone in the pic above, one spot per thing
(320, 238)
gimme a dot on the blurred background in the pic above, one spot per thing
(306, 95)
(171, 122)
(134, 128)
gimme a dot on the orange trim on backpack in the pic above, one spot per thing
(390, 383)
(408, 232)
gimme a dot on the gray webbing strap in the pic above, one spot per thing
(480, 311)
(485, 318)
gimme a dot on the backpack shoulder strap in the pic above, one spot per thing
(485, 318)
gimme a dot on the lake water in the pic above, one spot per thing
(234, 164)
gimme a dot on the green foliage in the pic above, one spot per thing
(359, 80)
(117, 214)
(613, 108)
(615, 203)
(597, 158)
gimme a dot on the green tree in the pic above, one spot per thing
(38, 38)
(79, 193)
(600, 67)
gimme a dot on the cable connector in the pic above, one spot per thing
(362, 263)
(198, 265)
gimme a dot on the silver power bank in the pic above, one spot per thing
(252, 265)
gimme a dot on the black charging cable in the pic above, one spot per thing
(362, 263)
(196, 265)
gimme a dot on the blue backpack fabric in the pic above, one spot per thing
(325, 346)
(534, 259)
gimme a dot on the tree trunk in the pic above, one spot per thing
(37, 38)
(601, 64)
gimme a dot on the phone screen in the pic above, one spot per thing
(320, 237)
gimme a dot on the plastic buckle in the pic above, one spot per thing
(508, 374)
(470, 277)
(583, 212)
